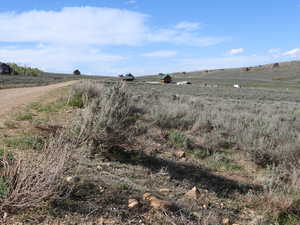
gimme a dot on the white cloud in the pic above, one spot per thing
(292, 53)
(75, 25)
(236, 51)
(223, 62)
(71, 37)
(275, 53)
(99, 26)
(59, 58)
(160, 54)
(131, 2)
(188, 26)
(184, 37)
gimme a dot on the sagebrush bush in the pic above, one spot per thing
(172, 116)
(264, 131)
(28, 182)
(105, 121)
(83, 92)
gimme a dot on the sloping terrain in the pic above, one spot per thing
(287, 75)
(138, 153)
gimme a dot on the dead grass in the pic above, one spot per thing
(32, 180)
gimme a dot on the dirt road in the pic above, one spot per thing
(12, 98)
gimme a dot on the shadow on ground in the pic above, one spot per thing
(181, 171)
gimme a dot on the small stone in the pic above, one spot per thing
(74, 179)
(196, 214)
(164, 190)
(194, 193)
(154, 202)
(180, 154)
(147, 196)
(69, 179)
(132, 203)
(103, 221)
(225, 221)
(99, 167)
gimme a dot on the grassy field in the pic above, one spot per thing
(139, 153)
(287, 75)
(15, 81)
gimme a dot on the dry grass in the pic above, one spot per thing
(139, 134)
(32, 180)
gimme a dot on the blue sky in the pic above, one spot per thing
(109, 37)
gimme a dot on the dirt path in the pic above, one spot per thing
(12, 98)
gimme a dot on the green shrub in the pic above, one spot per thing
(76, 100)
(105, 121)
(221, 162)
(4, 189)
(6, 156)
(199, 153)
(178, 139)
(83, 93)
(22, 70)
(25, 116)
(289, 219)
(33, 142)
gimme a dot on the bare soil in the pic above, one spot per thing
(16, 97)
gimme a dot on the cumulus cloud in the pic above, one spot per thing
(60, 40)
(188, 26)
(275, 53)
(91, 25)
(292, 53)
(236, 51)
(74, 25)
(160, 54)
(184, 38)
(56, 58)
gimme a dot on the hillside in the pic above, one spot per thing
(16, 81)
(287, 75)
(127, 153)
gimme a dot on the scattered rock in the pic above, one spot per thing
(106, 164)
(4, 215)
(71, 179)
(103, 221)
(197, 214)
(156, 203)
(132, 203)
(225, 221)
(194, 193)
(180, 154)
(164, 190)
(99, 167)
